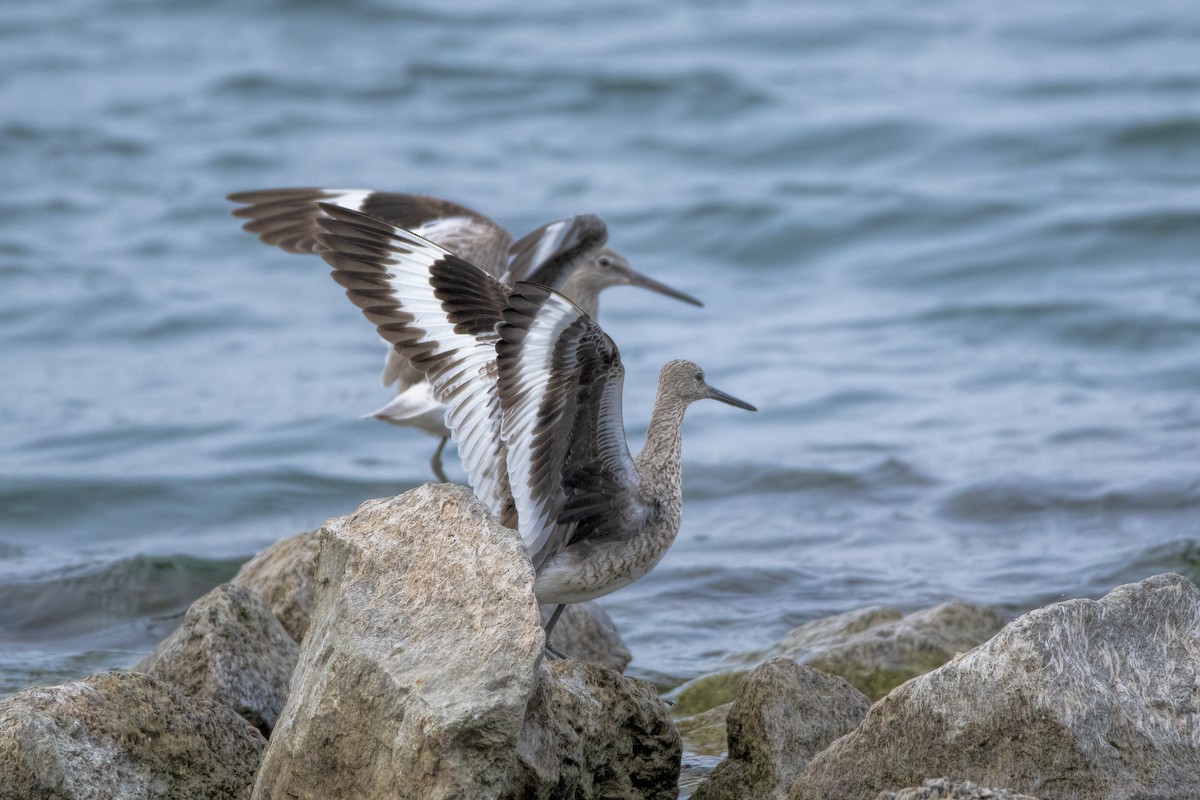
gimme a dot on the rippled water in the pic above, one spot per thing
(949, 249)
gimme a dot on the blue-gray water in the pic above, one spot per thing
(949, 249)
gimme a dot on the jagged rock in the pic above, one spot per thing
(945, 789)
(283, 575)
(1081, 699)
(421, 674)
(123, 735)
(585, 632)
(783, 715)
(589, 732)
(229, 648)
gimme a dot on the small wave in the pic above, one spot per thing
(86, 601)
(1006, 500)
(883, 478)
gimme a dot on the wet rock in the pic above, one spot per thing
(123, 735)
(878, 649)
(783, 715)
(945, 789)
(707, 691)
(705, 733)
(585, 632)
(422, 674)
(229, 648)
(283, 575)
(874, 649)
(1080, 699)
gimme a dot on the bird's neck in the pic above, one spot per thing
(658, 463)
(581, 292)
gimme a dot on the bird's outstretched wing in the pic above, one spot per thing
(543, 256)
(441, 313)
(560, 381)
(287, 218)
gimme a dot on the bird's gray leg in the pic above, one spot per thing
(550, 626)
(436, 461)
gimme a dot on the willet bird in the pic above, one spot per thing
(533, 390)
(569, 255)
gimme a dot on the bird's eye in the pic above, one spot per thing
(604, 261)
(700, 377)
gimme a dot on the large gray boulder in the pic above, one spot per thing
(1081, 699)
(784, 714)
(421, 674)
(123, 735)
(284, 576)
(229, 648)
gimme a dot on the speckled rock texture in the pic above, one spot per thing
(284, 575)
(422, 674)
(783, 715)
(1081, 699)
(229, 648)
(123, 735)
(945, 789)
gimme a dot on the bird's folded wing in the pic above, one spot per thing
(287, 218)
(544, 256)
(560, 379)
(441, 313)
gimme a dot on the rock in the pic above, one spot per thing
(422, 674)
(1081, 699)
(284, 575)
(944, 789)
(705, 733)
(874, 649)
(229, 648)
(123, 735)
(784, 714)
(707, 691)
(585, 632)
(878, 649)
(591, 733)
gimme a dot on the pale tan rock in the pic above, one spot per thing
(422, 675)
(229, 648)
(1081, 699)
(123, 735)
(283, 576)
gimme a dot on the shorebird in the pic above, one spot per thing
(568, 255)
(533, 387)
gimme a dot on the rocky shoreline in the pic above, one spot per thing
(398, 653)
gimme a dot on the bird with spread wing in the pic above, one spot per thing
(532, 387)
(569, 256)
